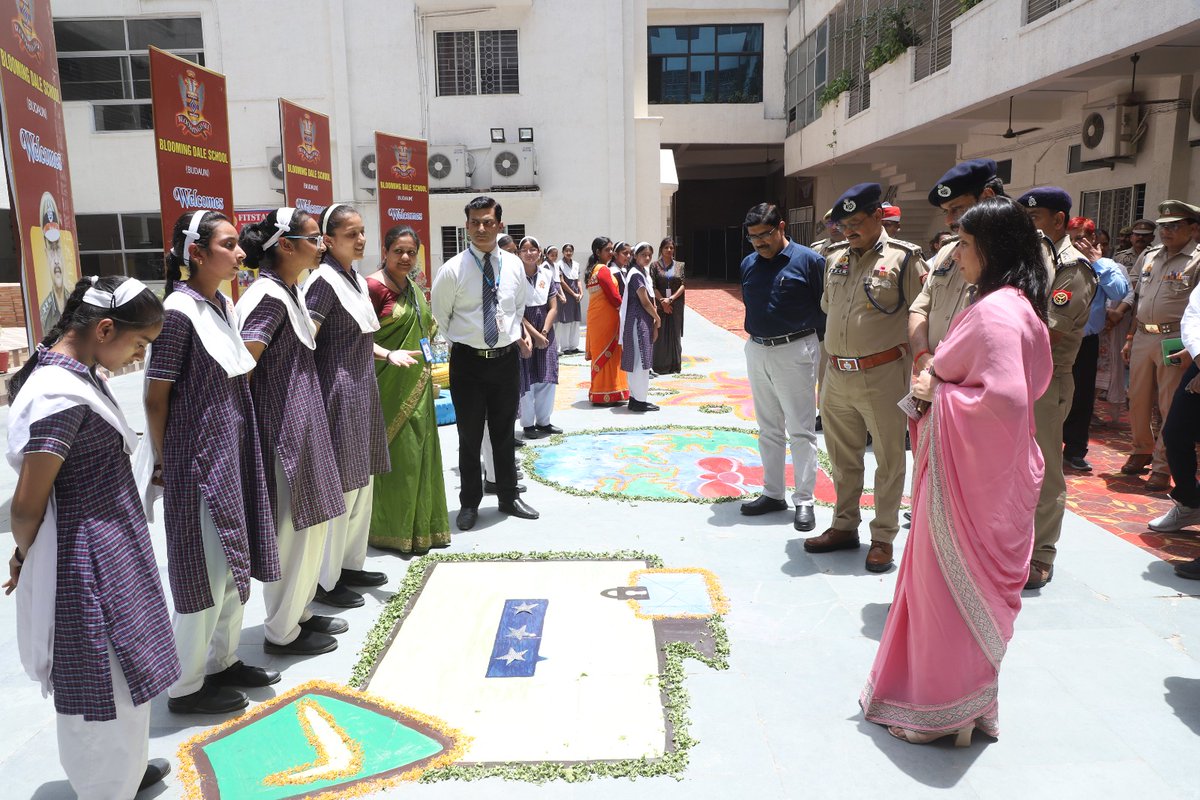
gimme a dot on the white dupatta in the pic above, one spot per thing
(633, 267)
(220, 339)
(297, 312)
(357, 304)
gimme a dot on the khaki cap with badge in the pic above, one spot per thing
(1177, 210)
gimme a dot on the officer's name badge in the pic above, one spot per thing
(1061, 297)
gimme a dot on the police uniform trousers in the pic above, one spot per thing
(346, 540)
(1151, 384)
(782, 384)
(300, 554)
(853, 404)
(1049, 412)
(1180, 434)
(106, 760)
(207, 640)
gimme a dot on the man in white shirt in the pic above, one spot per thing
(478, 300)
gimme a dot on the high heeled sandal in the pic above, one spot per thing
(962, 736)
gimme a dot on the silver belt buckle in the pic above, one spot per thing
(848, 364)
(1151, 328)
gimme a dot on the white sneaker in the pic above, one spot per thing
(1178, 518)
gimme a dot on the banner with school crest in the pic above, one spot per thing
(35, 147)
(307, 158)
(402, 182)
(191, 137)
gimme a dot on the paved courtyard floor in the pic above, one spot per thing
(1099, 697)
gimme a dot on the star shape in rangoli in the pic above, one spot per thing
(521, 633)
(525, 608)
(511, 656)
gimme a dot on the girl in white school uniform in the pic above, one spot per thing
(200, 416)
(92, 623)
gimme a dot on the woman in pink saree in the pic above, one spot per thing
(976, 480)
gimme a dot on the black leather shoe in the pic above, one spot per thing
(489, 487)
(639, 406)
(518, 443)
(1077, 463)
(466, 518)
(818, 427)
(244, 675)
(156, 770)
(806, 518)
(1189, 569)
(549, 430)
(763, 505)
(359, 577)
(308, 643)
(319, 623)
(533, 433)
(519, 508)
(340, 597)
(211, 699)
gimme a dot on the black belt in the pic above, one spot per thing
(775, 341)
(495, 352)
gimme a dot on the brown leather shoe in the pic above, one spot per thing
(879, 557)
(832, 539)
(1159, 482)
(1040, 574)
(1136, 464)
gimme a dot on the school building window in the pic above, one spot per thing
(807, 72)
(705, 63)
(121, 244)
(1113, 209)
(107, 62)
(454, 239)
(477, 62)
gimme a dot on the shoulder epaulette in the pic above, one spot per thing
(837, 246)
(908, 246)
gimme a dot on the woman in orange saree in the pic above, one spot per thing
(609, 386)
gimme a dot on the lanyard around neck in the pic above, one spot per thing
(493, 282)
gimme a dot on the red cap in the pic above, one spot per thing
(891, 211)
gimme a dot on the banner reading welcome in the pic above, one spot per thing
(402, 181)
(191, 135)
(35, 147)
(307, 158)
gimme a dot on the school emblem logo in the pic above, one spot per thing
(26, 33)
(1061, 297)
(403, 167)
(943, 190)
(308, 138)
(848, 206)
(190, 119)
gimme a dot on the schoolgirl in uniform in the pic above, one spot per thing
(200, 417)
(92, 622)
(302, 477)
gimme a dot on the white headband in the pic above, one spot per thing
(283, 223)
(327, 213)
(640, 245)
(191, 235)
(126, 291)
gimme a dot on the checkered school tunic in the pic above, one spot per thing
(109, 590)
(638, 323)
(346, 366)
(291, 414)
(542, 365)
(211, 447)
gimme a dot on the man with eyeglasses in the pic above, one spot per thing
(478, 299)
(1166, 275)
(781, 290)
(870, 281)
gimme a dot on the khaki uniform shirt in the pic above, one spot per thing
(1165, 284)
(1127, 258)
(944, 294)
(1071, 293)
(867, 296)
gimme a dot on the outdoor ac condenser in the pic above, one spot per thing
(364, 169)
(513, 165)
(275, 168)
(1108, 130)
(449, 167)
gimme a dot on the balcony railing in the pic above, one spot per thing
(1036, 9)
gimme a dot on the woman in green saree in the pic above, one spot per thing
(409, 512)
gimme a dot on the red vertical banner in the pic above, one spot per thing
(402, 181)
(35, 147)
(307, 158)
(191, 135)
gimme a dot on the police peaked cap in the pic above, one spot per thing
(1050, 197)
(863, 197)
(969, 176)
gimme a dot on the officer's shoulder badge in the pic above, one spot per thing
(1060, 297)
(906, 246)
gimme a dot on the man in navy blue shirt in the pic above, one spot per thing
(781, 288)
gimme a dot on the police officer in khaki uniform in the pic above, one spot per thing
(833, 235)
(1071, 291)
(1166, 275)
(870, 281)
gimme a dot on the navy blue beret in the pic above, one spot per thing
(969, 176)
(861, 197)
(1051, 197)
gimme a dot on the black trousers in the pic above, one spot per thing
(1079, 418)
(484, 390)
(1180, 434)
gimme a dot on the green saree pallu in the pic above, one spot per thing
(409, 511)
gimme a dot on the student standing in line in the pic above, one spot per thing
(640, 325)
(566, 326)
(92, 622)
(539, 372)
(340, 304)
(301, 472)
(200, 417)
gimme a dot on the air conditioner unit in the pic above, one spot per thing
(275, 168)
(1109, 129)
(513, 165)
(1194, 115)
(449, 167)
(364, 169)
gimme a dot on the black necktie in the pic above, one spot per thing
(490, 332)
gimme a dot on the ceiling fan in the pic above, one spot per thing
(1010, 133)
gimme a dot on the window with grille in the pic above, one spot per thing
(121, 244)
(800, 224)
(807, 71)
(1113, 209)
(705, 63)
(477, 62)
(106, 61)
(454, 240)
(1036, 9)
(934, 27)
